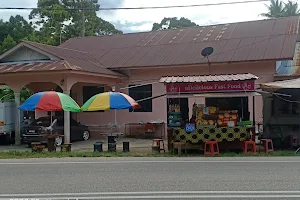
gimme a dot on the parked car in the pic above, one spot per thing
(38, 130)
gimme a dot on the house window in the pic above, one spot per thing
(139, 93)
(90, 91)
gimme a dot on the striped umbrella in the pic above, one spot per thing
(50, 101)
(109, 101)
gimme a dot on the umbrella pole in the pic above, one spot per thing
(116, 126)
(51, 122)
(115, 117)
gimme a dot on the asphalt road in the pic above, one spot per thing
(151, 178)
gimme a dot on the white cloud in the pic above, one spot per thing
(5, 14)
(141, 28)
(142, 20)
(200, 15)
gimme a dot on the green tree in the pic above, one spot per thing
(56, 21)
(291, 9)
(7, 94)
(106, 28)
(98, 27)
(19, 28)
(84, 17)
(3, 30)
(13, 31)
(8, 43)
(278, 8)
(52, 16)
(65, 19)
(173, 23)
(85, 22)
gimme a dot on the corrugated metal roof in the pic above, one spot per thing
(45, 66)
(289, 67)
(272, 39)
(36, 66)
(286, 68)
(209, 78)
(72, 59)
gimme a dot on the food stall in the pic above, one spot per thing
(223, 116)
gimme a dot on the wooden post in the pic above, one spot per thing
(18, 119)
(67, 126)
(170, 139)
(179, 149)
(253, 113)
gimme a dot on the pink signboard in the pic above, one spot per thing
(226, 86)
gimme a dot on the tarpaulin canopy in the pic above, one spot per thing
(277, 85)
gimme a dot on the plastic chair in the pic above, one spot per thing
(248, 144)
(211, 148)
(158, 144)
(268, 145)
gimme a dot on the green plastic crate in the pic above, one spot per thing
(245, 123)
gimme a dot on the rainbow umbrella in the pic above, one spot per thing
(50, 101)
(109, 101)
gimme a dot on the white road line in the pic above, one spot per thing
(182, 197)
(154, 161)
(152, 193)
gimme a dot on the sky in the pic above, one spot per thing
(142, 20)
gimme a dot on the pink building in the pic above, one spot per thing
(85, 66)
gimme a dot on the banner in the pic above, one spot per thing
(225, 86)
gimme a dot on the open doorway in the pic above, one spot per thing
(183, 104)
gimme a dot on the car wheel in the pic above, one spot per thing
(58, 141)
(86, 135)
(7, 139)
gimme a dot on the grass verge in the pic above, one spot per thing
(274, 154)
(29, 154)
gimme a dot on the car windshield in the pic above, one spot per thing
(45, 122)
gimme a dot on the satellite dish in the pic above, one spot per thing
(207, 51)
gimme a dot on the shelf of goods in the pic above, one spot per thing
(174, 116)
(209, 116)
(214, 124)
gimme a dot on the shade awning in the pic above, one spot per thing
(208, 78)
(286, 84)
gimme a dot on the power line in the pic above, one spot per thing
(141, 8)
(283, 99)
(187, 6)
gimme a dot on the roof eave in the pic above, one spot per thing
(208, 78)
(197, 64)
(61, 71)
(97, 74)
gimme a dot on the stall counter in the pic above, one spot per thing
(219, 134)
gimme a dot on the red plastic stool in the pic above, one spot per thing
(211, 148)
(268, 144)
(247, 144)
(158, 143)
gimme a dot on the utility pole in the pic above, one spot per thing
(60, 34)
(83, 22)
